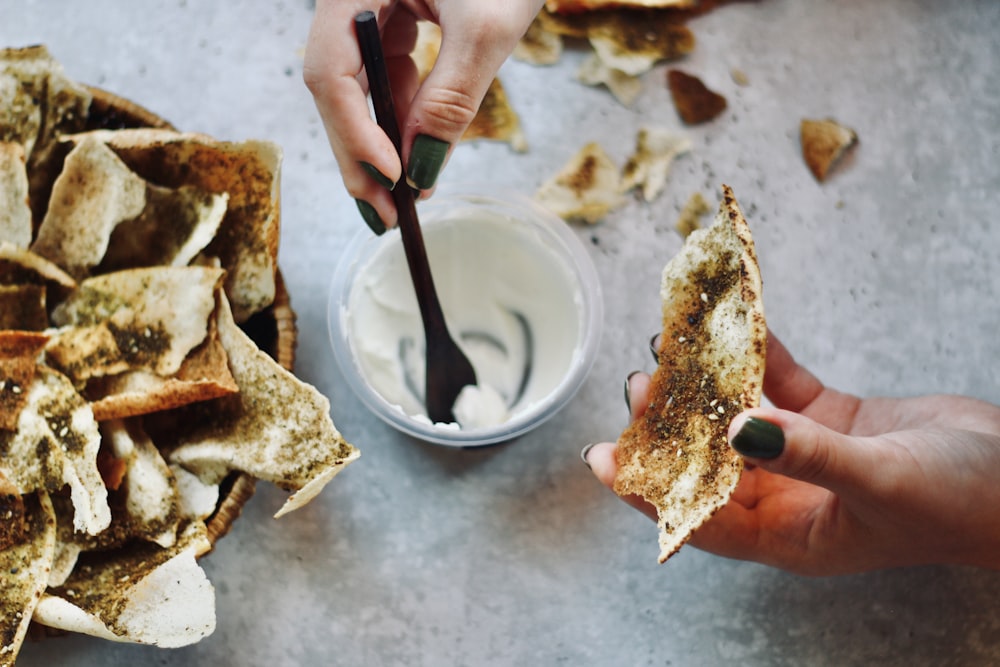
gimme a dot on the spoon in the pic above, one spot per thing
(448, 369)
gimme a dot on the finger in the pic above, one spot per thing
(637, 394)
(601, 459)
(790, 444)
(331, 71)
(788, 385)
(472, 49)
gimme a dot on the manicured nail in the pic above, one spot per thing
(628, 399)
(379, 177)
(583, 454)
(759, 439)
(652, 348)
(426, 158)
(371, 216)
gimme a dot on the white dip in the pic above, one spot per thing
(510, 302)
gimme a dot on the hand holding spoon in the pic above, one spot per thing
(448, 369)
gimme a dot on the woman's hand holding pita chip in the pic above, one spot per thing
(476, 39)
(837, 484)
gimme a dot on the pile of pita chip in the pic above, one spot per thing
(626, 39)
(711, 367)
(131, 261)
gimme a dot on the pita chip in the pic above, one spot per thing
(25, 568)
(248, 172)
(711, 366)
(539, 46)
(15, 212)
(694, 101)
(593, 72)
(148, 318)
(94, 193)
(649, 166)
(586, 188)
(19, 352)
(19, 266)
(140, 593)
(55, 445)
(277, 428)
(824, 142)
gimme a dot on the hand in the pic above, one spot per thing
(476, 38)
(851, 484)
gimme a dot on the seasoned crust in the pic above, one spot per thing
(711, 367)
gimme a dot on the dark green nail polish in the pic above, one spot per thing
(426, 158)
(379, 177)
(628, 400)
(371, 216)
(759, 439)
(652, 348)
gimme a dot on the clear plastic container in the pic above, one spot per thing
(520, 296)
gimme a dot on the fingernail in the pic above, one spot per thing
(583, 455)
(652, 348)
(628, 399)
(379, 177)
(759, 439)
(426, 158)
(371, 216)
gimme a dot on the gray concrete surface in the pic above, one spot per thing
(884, 280)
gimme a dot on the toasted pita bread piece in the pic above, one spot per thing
(149, 319)
(631, 42)
(248, 172)
(277, 428)
(55, 445)
(19, 266)
(15, 212)
(690, 218)
(22, 307)
(102, 217)
(140, 593)
(12, 521)
(593, 72)
(695, 103)
(38, 103)
(711, 367)
(19, 352)
(824, 142)
(495, 119)
(539, 46)
(25, 568)
(649, 166)
(586, 188)
(94, 192)
(204, 374)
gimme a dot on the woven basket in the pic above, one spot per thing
(273, 329)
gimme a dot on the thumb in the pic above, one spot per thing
(787, 443)
(475, 42)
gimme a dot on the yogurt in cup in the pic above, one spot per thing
(520, 296)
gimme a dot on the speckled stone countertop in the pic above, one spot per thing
(883, 280)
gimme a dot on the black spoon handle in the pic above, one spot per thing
(366, 27)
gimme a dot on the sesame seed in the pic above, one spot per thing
(681, 339)
(721, 409)
(63, 431)
(704, 297)
(714, 402)
(713, 417)
(16, 389)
